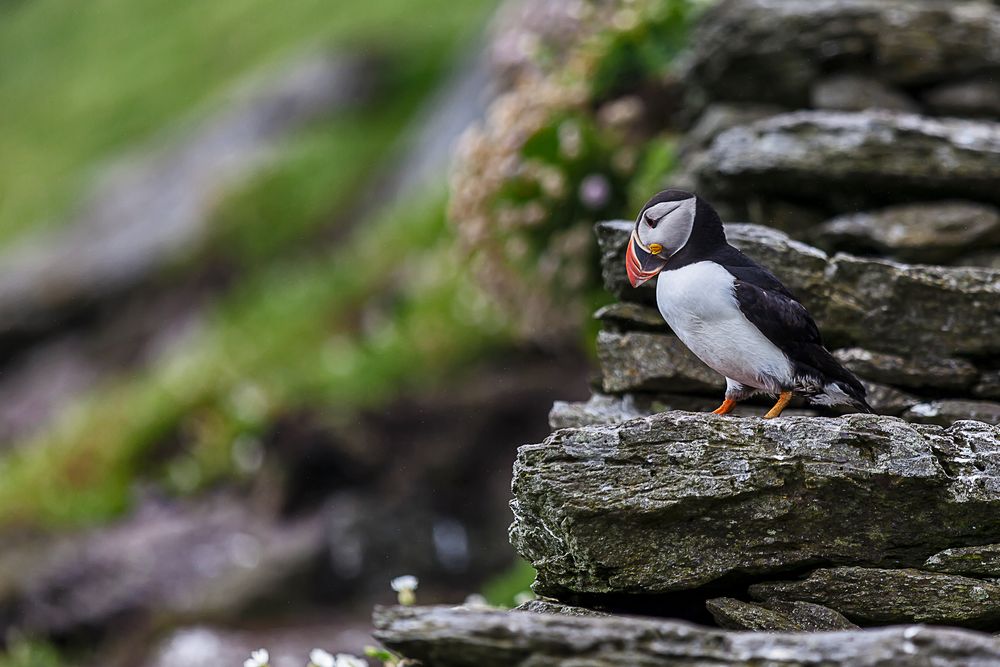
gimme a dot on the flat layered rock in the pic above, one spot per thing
(949, 410)
(927, 371)
(851, 92)
(980, 561)
(639, 361)
(464, 637)
(874, 595)
(970, 98)
(598, 409)
(679, 500)
(875, 304)
(863, 157)
(628, 315)
(988, 385)
(767, 51)
(778, 616)
(929, 232)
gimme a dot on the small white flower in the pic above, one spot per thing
(320, 658)
(348, 660)
(524, 597)
(258, 658)
(407, 582)
(475, 600)
(405, 587)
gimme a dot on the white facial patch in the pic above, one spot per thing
(668, 223)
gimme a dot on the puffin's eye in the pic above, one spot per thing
(651, 222)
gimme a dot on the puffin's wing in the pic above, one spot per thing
(777, 315)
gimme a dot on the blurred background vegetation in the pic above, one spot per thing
(321, 290)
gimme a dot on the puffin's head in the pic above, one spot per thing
(663, 227)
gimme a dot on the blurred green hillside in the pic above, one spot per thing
(84, 83)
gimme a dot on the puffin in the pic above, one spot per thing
(731, 312)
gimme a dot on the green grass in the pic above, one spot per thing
(335, 331)
(81, 82)
(288, 337)
(22, 653)
(502, 590)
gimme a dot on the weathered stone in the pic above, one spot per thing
(638, 361)
(925, 371)
(456, 637)
(208, 560)
(988, 259)
(765, 51)
(852, 92)
(627, 315)
(875, 304)
(920, 310)
(982, 561)
(541, 606)
(855, 159)
(599, 409)
(787, 216)
(678, 500)
(926, 232)
(873, 595)
(718, 118)
(886, 400)
(979, 97)
(988, 385)
(949, 410)
(604, 409)
(735, 614)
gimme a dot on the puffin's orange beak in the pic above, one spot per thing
(642, 263)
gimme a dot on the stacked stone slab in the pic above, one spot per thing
(834, 122)
(924, 339)
(833, 125)
(860, 125)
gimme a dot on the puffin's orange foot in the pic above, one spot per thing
(779, 406)
(726, 407)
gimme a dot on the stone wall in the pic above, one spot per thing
(829, 124)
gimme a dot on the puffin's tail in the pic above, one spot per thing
(862, 405)
(841, 386)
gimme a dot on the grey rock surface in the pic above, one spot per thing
(639, 361)
(852, 92)
(976, 97)
(875, 304)
(718, 118)
(948, 410)
(766, 51)
(848, 159)
(905, 595)
(628, 315)
(980, 561)
(988, 385)
(456, 637)
(598, 409)
(679, 500)
(208, 560)
(886, 400)
(914, 373)
(541, 606)
(733, 614)
(933, 232)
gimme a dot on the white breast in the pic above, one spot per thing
(699, 304)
